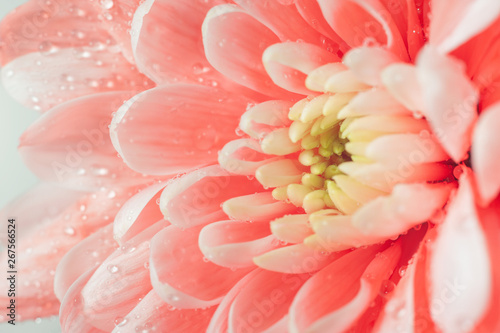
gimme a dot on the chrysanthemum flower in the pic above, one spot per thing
(300, 166)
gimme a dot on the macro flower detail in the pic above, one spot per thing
(262, 166)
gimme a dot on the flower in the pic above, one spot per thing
(336, 163)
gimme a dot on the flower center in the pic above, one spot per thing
(354, 143)
(323, 136)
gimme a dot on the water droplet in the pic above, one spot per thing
(47, 48)
(107, 4)
(119, 321)
(205, 259)
(387, 287)
(9, 73)
(82, 208)
(402, 271)
(113, 269)
(38, 320)
(69, 231)
(200, 69)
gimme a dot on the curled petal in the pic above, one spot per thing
(196, 198)
(157, 135)
(459, 283)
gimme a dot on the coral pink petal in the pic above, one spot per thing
(296, 259)
(166, 41)
(43, 81)
(367, 63)
(116, 18)
(311, 12)
(155, 132)
(257, 207)
(234, 244)
(263, 301)
(460, 267)
(348, 19)
(234, 42)
(152, 313)
(70, 313)
(485, 162)
(452, 26)
(450, 101)
(283, 19)
(83, 158)
(407, 206)
(87, 254)
(138, 213)
(356, 277)
(181, 275)
(219, 321)
(119, 282)
(289, 63)
(41, 26)
(263, 118)
(196, 198)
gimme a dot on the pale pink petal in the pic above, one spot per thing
(263, 301)
(234, 244)
(70, 313)
(180, 274)
(349, 18)
(357, 278)
(174, 128)
(450, 101)
(70, 145)
(377, 101)
(119, 282)
(402, 82)
(296, 259)
(291, 228)
(87, 254)
(384, 177)
(53, 221)
(41, 26)
(407, 206)
(42, 81)
(452, 26)
(257, 207)
(244, 157)
(40, 209)
(196, 198)
(485, 157)
(460, 271)
(234, 42)
(265, 117)
(152, 313)
(289, 63)
(412, 148)
(367, 63)
(138, 213)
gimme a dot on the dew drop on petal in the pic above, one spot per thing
(113, 269)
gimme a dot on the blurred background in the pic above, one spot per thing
(15, 178)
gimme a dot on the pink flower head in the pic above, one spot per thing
(260, 166)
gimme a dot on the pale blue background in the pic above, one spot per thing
(15, 178)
